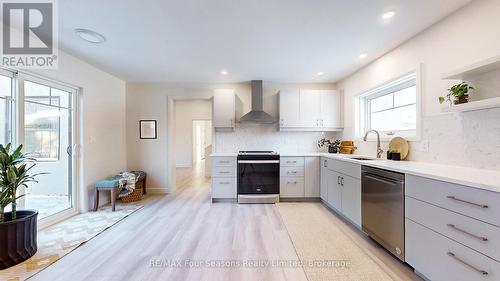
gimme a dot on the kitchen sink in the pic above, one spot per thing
(362, 158)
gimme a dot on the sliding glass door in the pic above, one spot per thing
(48, 137)
(43, 121)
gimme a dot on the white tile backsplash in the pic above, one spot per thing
(252, 136)
(470, 139)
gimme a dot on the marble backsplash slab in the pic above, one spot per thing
(252, 136)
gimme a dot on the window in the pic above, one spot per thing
(392, 109)
(44, 107)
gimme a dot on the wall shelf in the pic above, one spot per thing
(474, 105)
(478, 68)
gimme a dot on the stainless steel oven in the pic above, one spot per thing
(258, 177)
(383, 208)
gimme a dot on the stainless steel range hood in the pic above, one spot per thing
(257, 113)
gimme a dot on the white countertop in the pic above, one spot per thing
(478, 178)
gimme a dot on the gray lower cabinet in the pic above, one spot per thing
(323, 180)
(342, 191)
(334, 190)
(351, 199)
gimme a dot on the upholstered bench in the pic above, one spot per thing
(105, 185)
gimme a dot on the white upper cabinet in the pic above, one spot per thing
(289, 109)
(224, 109)
(310, 113)
(331, 110)
(310, 110)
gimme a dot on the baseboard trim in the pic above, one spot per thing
(230, 200)
(157, 191)
(307, 199)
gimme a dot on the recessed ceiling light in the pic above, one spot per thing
(320, 73)
(223, 72)
(90, 36)
(388, 15)
(362, 56)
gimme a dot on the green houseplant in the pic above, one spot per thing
(333, 146)
(18, 229)
(459, 93)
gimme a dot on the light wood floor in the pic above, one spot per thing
(186, 227)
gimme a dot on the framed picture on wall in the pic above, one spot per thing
(147, 129)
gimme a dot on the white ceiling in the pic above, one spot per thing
(274, 40)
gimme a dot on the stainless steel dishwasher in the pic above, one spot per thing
(383, 208)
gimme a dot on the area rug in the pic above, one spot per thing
(60, 239)
(326, 252)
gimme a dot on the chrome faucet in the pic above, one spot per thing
(379, 150)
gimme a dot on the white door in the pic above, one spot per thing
(289, 103)
(224, 108)
(310, 114)
(331, 109)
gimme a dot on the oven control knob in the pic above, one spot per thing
(258, 189)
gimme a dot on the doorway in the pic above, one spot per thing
(193, 138)
(202, 141)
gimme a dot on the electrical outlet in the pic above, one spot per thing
(425, 145)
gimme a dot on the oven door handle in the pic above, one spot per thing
(258, 161)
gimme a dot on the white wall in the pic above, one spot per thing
(151, 101)
(102, 121)
(468, 36)
(185, 112)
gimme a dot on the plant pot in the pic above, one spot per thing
(461, 100)
(332, 149)
(18, 238)
(396, 156)
(389, 155)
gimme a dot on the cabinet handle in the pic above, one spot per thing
(338, 180)
(224, 182)
(325, 164)
(292, 182)
(482, 272)
(467, 202)
(321, 122)
(223, 172)
(466, 232)
(291, 172)
(342, 181)
(224, 162)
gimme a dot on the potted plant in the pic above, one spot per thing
(333, 147)
(459, 93)
(18, 229)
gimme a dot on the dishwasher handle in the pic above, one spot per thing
(382, 179)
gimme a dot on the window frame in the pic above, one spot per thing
(363, 110)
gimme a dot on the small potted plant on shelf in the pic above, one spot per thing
(18, 229)
(333, 147)
(459, 93)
